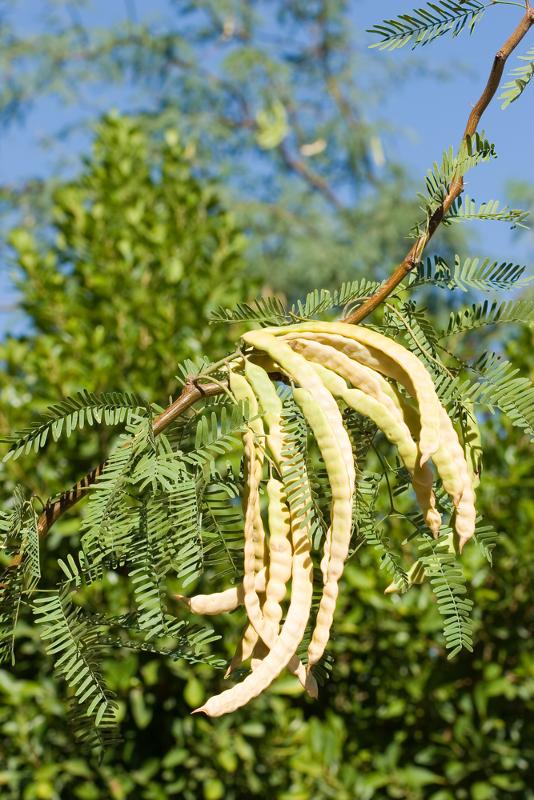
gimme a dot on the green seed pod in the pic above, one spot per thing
(416, 574)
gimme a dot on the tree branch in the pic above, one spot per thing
(414, 254)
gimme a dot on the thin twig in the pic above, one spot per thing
(415, 252)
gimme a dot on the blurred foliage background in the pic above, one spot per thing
(252, 170)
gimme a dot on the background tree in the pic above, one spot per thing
(277, 100)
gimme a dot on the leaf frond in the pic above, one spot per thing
(423, 25)
(73, 413)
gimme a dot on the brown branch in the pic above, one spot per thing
(415, 252)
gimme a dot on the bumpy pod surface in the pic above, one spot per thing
(280, 556)
(389, 358)
(398, 433)
(290, 636)
(297, 367)
(279, 564)
(323, 414)
(341, 519)
(303, 373)
(451, 465)
(254, 534)
(222, 602)
(358, 375)
(464, 500)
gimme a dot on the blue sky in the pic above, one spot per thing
(429, 112)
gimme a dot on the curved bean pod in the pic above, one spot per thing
(341, 521)
(280, 553)
(451, 465)
(398, 433)
(280, 556)
(222, 602)
(393, 360)
(287, 642)
(323, 415)
(359, 375)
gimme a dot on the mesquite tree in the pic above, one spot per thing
(164, 502)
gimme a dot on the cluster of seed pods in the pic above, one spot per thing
(331, 366)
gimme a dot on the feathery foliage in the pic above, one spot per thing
(465, 208)
(73, 413)
(370, 528)
(478, 315)
(449, 585)
(272, 311)
(74, 645)
(521, 77)
(425, 24)
(470, 273)
(473, 151)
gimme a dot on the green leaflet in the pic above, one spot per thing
(521, 77)
(272, 311)
(465, 208)
(217, 434)
(488, 313)
(470, 273)
(146, 574)
(294, 471)
(423, 25)
(74, 645)
(474, 150)
(501, 387)
(222, 523)
(11, 588)
(486, 537)
(73, 413)
(265, 310)
(448, 584)
(369, 528)
(109, 516)
(182, 542)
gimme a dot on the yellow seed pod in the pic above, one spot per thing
(254, 534)
(303, 373)
(222, 602)
(397, 433)
(290, 636)
(449, 460)
(360, 376)
(389, 358)
(341, 518)
(280, 553)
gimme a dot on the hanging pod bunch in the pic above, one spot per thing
(330, 366)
